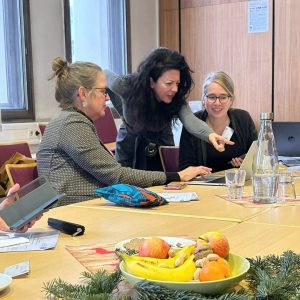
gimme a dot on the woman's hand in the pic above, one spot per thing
(192, 172)
(219, 141)
(9, 201)
(236, 161)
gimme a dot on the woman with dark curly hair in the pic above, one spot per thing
(150, 101)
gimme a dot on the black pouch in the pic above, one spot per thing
(66, 227)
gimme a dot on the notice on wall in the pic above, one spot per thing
(258, 16)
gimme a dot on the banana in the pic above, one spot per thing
(167, 262)
(146, 270)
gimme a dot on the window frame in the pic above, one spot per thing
(26, 114)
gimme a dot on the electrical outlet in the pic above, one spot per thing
(30, 133)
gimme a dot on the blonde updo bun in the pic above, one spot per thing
(59, 67)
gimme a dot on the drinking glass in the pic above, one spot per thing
(286, 187)
(265, 188)
(235, 181)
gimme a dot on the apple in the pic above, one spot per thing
(217, 241)
(154, 247)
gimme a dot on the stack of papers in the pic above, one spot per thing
(29, 241)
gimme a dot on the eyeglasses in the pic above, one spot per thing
(103, 91)
(213, 98)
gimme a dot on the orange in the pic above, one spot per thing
(224, 265)
(215, 270)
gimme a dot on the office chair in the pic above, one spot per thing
(106, 128)
(42, 128)
(21, 173)
(169, 156)
(8, 150)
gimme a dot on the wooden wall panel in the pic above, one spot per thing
(287, 61)
(215, 37)
(169, 24)
(195, 3)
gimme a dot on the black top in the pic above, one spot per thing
(194, 152)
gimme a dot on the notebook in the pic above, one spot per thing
(220, 179)
(287, 138)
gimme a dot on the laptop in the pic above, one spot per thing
(220, 179)
(287, 138)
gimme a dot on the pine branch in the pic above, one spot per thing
(275, 277)
(60, 289)
(150, 291)
(99, 285)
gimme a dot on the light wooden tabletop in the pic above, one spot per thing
(101, 226)
(210, 205)
(251, 232)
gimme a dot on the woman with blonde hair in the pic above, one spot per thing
(235, 124)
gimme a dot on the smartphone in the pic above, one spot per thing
(30, 201)
(175, 186)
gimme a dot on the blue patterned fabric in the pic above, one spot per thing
(129, 195)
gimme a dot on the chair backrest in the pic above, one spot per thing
(169, 156)
(21, 173)
(106, 127)
(8, 150)
(42, 128)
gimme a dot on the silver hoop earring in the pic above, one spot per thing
(84, 104)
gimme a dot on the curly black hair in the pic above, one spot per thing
(141, 97)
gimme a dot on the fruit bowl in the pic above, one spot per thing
(239, 266)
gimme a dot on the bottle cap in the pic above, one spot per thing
(266, 116)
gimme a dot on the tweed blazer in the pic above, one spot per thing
(76, 162)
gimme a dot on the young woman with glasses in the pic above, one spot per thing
(235, 124)
(150, 101)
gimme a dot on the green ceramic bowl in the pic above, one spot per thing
(239, 266)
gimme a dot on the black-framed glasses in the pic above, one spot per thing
(103, 91)
(213, 98)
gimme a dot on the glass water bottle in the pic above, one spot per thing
(265, 163)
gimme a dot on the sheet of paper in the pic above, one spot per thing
(180, 197)
(6, 241)
(19, 269)
(38, 240)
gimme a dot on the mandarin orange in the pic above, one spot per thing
(215, 270)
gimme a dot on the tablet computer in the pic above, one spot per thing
(30, 201)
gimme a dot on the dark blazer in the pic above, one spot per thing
(193, 151)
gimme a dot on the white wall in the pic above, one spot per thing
(144, 29)
(47, 38)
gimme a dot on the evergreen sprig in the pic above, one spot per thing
(98, 286)
(269, 278)
(149, 291)
(275, 277)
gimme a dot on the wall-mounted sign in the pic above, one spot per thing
(258, 16)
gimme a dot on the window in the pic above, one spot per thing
(15, 59)
(96, 32)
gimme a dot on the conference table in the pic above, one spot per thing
(251, 231)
